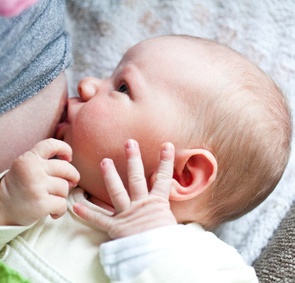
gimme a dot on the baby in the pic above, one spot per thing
(217, 109)
(231, 129)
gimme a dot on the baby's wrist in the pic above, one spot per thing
(4, 221)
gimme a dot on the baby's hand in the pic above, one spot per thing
(142, 210)
(36, 185)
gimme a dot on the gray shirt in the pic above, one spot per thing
(34, 50)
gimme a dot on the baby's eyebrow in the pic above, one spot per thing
(133, 76)
(128, 69)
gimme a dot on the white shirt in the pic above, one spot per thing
(178, 253)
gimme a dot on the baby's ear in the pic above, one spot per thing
(194, 171)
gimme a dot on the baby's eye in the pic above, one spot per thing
(123, 88)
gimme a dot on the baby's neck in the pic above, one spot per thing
(101, 203)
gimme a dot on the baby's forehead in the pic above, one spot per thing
(146, 48)
(182, 50)
(189, 62)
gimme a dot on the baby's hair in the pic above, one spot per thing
(246, 124)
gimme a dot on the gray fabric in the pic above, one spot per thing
(277, 261)
(34, 50)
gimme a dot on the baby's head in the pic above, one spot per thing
(243, 119)
(228, 121)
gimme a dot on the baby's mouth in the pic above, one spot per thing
(64, 115)
(61, 127)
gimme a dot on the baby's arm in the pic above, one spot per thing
(37, 185)
(141, 210)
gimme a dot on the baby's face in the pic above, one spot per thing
(138, 101)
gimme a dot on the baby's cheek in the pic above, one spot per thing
(90, 131)
(97, 114)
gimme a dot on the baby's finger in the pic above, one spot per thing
(115, 186)
(63, 169)
(57, 206)
(52, 147)
(58, 187)
(136, 178)
(97, 219)
(164, 175)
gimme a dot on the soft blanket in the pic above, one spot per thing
(264, 31)
(277, 262)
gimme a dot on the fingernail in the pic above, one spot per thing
(167, 146)
(71, 185)
(130, 144)
(106, 161)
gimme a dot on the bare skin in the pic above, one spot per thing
(34, 120)
(140, 210)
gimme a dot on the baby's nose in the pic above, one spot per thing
(88, 87)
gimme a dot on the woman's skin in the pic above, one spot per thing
(34, 120)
